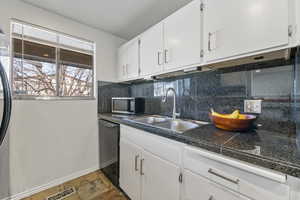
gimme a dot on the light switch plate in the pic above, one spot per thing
(252, 106)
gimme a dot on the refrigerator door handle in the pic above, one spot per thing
(7, 103)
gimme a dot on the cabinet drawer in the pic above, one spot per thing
(199, 188)
(160, 146)
(249, 180)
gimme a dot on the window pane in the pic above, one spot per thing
(48, 63)
(34, 78)
(39, 33)
(18, 76)
(72, 58)
(34, 51)
(33, 32)
(17, 28)
(73, 42)
(17, 46)
(76, 81)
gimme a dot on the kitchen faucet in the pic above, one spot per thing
(174, 115)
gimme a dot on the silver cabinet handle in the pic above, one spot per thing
(126, 66)
(211, 171)
(158, 58)
(123, 70)
(209, 42)
(136, 163)
(141, 167)
(166, 56)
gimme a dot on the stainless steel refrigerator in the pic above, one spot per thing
(5, 113)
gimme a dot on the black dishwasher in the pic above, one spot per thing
(109, 139)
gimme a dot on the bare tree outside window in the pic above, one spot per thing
(43, 69)
(34, 78)
(76, 81)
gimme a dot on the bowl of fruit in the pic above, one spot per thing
(232, 122)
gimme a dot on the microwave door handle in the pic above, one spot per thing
(112, 105)
(131, 106)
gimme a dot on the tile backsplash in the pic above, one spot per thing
(224, 90)
(106, 91)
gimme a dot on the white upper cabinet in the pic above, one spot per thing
(235, 27)
(122, 62)
(182, 37)
(128, 60)
(206, 32)
(133, 59)
(151, 51)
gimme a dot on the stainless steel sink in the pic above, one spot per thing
(177, 125)
(151, 119)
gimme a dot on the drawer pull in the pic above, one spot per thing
(211, 171)
(136, 163)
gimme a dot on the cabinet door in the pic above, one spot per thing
(159, 179)
(196, 187)
(235, 27)
(130, 179)
(122, 62)
(132, 67)
(151, 50)
(182, 36)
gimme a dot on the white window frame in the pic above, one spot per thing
(58, 46)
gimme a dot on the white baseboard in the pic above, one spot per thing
(51, 184)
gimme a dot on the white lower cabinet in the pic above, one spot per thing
(243, 178)
(156, 168)
(130, 180)
(160, 178)
(146, 176)
(196, 187)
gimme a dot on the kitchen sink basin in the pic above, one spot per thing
(151, 119)
(176, 125)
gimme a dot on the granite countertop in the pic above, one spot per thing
(260, 147)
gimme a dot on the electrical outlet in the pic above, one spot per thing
(252, 106)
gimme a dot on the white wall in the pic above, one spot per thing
(298, 19)
(49, 140)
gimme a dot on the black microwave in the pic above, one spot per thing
(128, 105)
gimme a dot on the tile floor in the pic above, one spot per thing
(93, 186)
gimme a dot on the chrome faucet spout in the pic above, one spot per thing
(165, 98)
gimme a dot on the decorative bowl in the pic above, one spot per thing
(233, 124)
